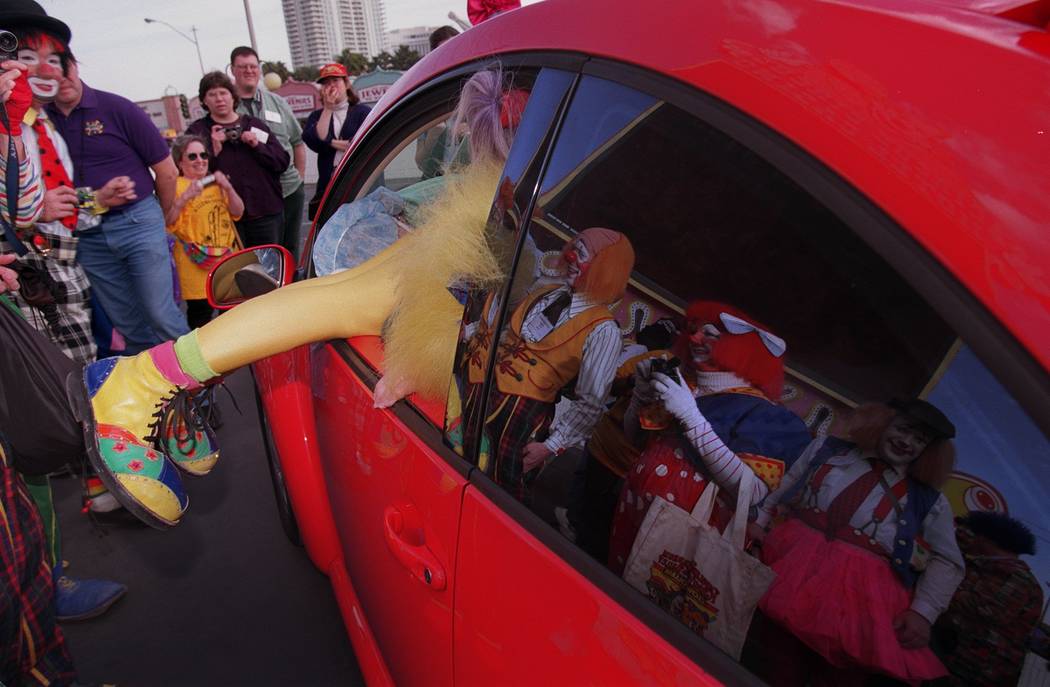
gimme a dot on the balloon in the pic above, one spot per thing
(272, 81)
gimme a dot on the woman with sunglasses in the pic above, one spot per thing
(201, 218)
(710, 420)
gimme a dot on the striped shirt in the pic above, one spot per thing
(31, 193)
(601, 352)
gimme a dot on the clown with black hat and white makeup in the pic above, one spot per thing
(867, 558)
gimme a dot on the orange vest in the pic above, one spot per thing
(536, 369)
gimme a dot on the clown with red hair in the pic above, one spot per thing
(726, 419)
(559, 334)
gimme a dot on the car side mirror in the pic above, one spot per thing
(249, 273)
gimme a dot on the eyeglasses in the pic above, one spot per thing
(193, 157)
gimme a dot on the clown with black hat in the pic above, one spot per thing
(866, 560)
(51, 246)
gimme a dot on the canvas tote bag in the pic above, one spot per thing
(703, 578)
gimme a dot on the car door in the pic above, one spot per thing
(709, 217)
(396, 489)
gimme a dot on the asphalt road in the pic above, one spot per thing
(223, 598)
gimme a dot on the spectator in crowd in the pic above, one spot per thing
(440, 35)
(981, 637)
(244, 149)
(51, 252)
(126, 256)
(272, 108)
(202, 220)
(32, 648)
(328, 131)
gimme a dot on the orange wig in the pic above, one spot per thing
(606, 277)
(742, 354)
(933, 466)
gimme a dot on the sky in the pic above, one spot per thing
(119, 52)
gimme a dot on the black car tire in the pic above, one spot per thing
(284, 505)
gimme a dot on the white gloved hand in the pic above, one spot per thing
(677, 398)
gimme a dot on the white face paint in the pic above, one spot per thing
(903, 441)
(701, 338)
(45, 72)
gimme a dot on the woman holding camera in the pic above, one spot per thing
(243, 148)
(201, 218)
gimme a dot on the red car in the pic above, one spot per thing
(871, 179)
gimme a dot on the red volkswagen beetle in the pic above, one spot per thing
(868, 178)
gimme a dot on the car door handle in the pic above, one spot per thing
(403, 527)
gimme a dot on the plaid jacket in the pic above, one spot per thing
(71, 325)
(990, 617)
(32, 648)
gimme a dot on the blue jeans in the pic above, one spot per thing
(129, 268)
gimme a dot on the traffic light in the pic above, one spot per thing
(184, 105)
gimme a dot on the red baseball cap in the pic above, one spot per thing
(330, 70)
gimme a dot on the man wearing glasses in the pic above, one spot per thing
(272, 109)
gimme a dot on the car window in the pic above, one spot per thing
(484, 303)
(724, 245)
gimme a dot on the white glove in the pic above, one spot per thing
(677, 399)
(643, 387)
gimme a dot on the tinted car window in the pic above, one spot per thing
(709, 219)
(483, 304)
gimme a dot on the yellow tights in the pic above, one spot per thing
(352, 303)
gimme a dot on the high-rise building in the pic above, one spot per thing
(320, 29)
(416, 38)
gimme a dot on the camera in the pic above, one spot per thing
(665, 366)
(8, 46)
(233, 133)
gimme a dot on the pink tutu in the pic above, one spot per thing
(840, 600)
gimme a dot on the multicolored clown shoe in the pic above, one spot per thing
(125, 407)
(187, 436)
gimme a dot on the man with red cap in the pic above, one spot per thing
(559, 334)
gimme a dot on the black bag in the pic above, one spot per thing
(34, 411)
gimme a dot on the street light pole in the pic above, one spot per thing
(193, 40)
(251, 26)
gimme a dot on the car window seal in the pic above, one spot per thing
(547, 144)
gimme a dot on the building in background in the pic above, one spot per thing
(416, 38)
(320, 29)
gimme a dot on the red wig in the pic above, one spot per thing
(606, 277)
(934, 465)
(742, 354)
(34, 39)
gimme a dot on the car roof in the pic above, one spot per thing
(938, 111)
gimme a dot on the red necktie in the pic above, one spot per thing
(849, 499)
(51, 167)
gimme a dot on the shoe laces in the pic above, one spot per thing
(171, 413)
(182, 415)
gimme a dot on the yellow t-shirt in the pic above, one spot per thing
(205, 221)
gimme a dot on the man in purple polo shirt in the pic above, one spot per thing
(126, 257)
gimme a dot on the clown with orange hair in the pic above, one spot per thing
(558, 334)
(725, 418)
